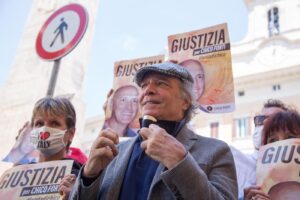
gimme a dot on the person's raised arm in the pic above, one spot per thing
(103, 151)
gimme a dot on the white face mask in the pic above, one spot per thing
(256, 137)
(48, 141)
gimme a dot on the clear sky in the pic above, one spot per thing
(125, 29)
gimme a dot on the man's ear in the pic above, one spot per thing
(187, 101)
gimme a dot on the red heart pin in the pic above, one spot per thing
(44, 135)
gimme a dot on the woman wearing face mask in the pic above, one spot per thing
(271, 107)
(53, 127)
(280, 126)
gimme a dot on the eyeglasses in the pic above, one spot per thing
(259, 120)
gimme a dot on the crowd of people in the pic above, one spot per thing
(163, 160)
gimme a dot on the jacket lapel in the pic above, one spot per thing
(120, 168)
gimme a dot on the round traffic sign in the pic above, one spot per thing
(62, 32)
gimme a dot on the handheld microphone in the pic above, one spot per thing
(147, 120)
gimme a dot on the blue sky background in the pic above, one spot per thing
(125, 30)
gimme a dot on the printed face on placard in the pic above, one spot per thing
(197, 71)
(285, 190)
(125, 104)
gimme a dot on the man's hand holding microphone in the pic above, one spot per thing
(159, 145)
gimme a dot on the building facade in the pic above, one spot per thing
(266, 64)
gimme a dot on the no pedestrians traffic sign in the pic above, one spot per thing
(62, 32)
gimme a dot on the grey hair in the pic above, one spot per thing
(55, 106)
(187, 90)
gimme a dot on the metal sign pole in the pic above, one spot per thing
(53, 78)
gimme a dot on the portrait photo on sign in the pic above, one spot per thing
(206, 54)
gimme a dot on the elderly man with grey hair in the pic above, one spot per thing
(166, 160)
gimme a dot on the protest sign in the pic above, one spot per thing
(22, 152)
(34, 181)
(278, 169)
(206, 54)
(122, 109)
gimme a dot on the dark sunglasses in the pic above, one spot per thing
(259, 120)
